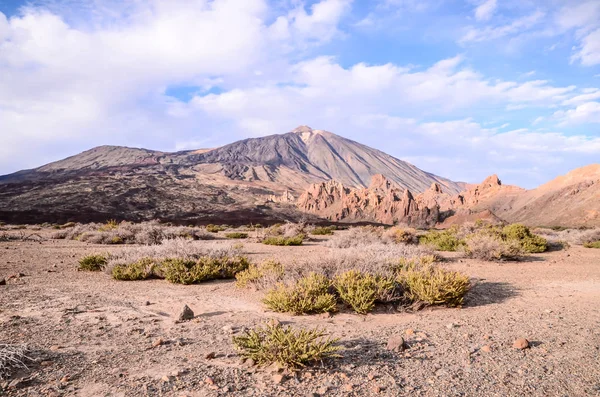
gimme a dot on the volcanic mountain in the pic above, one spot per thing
(239, 182)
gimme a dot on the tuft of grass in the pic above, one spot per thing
(435, 285)
(284, 241)
(592, 244)
(215, 228)
(402, 236)
(360, 290)
(290, 348)
(12, 357)
(256, 274)
(111, 224)
(93, 263)
(322, 231)
(446, 240)
(142, 269)
(236, 235)
(308, 295)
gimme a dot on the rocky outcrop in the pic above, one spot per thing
(285, 197)
(382, 202)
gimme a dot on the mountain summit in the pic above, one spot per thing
(231, 181)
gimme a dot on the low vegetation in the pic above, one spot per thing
(142, 269)
(266, 273)
(284, 241)
(12, 357)
(236, 235)
(360, 291)
(592, 244)
(94, 262)
(446, 240)
(215, 228)
(322, 231)
(186, 271)
(308, 295)
(288, 347)
(434, 285)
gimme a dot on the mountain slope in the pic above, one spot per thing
(128, 183)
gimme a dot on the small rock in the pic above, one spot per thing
(278, 378)
(65, 379)
(521, 344)
(274, 322)
(348, 387)
(396, 343)
(147, 303)
(325, 315)
(210, 356)
(227, 329)
(250, 362)
(2, 281)
(209, 381)
(167, 378)
(54, 348)
(486, 349)
(371, 376)
(186, 314)
(46, 363)
(451, 325)
(409, 332)
(376, 389)
(158, 342)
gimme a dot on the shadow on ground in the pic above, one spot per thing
(486, 293)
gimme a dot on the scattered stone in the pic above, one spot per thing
(227, 329)
(376, 389)
(209, 381)
(278, 378)
(409, 332)
(54, 348)
(371, 376)
(521, 344)
(250, 362)
(486, 349)
(158, 342)
(451, 325)
(65, 379)
(210, 356)
(396, 343)
(147, 303)
(2, 281)
(348, 387)
(186, 314)
(167, 378)
(325, 315)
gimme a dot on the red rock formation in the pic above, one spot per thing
(382, 202)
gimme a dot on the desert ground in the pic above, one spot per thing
(90, 335)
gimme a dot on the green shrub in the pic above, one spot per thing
(360, 290)
(236, 235)
(308, 295)
(141, 270)
(215, 228)
(256, 273)
(528, 241)
(435, 285)
(109, 225)
(445, 240)
(402, 236)
(93, 263)
(280, 240)
(322, 231)
(285, 346)
(592, 244)
(185, 271)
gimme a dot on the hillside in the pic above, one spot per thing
(232, 182)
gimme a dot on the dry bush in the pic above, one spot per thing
(593, 244)
(357, 237)
(308, 295)
(322, 231)
(491, 247)
(434, 285)
(360, 291)
(141, 269)
(94, 262)
(186, 271)
(401, 236)
(572, 236)
(261, 276)
(284, 241)
(12, 357)
(236, 235)
(145, 233)
(285, 346)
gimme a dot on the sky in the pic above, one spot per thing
(460, 88)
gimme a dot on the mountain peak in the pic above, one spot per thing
(306, 132)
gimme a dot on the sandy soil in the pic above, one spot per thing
(93, 336)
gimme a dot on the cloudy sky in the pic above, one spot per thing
(461, 88)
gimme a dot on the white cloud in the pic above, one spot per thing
(588, 112)
(589, 51)
(487, 33)
(485, 10)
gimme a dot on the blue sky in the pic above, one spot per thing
(460, 88)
